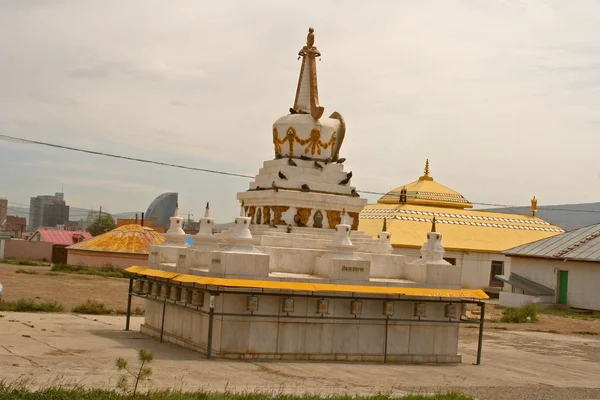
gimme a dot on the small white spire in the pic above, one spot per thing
(344, 219)
(242, 212)
(207, 211)
(176, 210)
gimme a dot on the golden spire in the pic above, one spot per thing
(384, 225)
(533, 206)
(426, 176)
(307, 93)
(433, 225)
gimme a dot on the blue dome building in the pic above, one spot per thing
(162, 208)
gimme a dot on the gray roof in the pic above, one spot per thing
(528, 287)
(581, 244)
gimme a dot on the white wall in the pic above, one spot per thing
(583, 278)
(476, 267)
(508, 299)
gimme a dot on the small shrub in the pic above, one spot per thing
(105, 272)
(27, 271)
(587, 333)
(52, 273)
(527, 313)
(144, 357)
(27, 305)
(92, 306)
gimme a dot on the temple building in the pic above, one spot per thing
(294, 278)
(474, 239)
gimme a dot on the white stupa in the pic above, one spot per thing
(293, 278)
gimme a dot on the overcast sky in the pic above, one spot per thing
(503, 97)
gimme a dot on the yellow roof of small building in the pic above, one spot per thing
(409, 219)
(125, 239)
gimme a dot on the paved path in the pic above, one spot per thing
(83, 349)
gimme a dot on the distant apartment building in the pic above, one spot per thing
(3, 210)
(55, 214)
(37, 207)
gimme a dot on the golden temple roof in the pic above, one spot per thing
(125, 239)
(426, 191)
(462, 229)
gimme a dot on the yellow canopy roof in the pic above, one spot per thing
(425, 191)
(310, 287)
(474, 230)
(125, 239)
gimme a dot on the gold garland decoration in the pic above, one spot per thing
(313, 143)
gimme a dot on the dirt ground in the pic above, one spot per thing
(542, 360)
(69, 289)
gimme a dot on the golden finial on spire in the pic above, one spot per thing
(384, 225)
(426, 176)
(533, 206)
(310, 38)
(307, 93)
(433, 225)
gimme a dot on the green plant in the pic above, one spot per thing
(92, 306)
(105, 272)
(27, 305)
(29, 263)
(102, 224)
(587, 333)
(27, 271)
(143, 373)
(568, 313)
(527, 313)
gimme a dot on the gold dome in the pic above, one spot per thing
(427, 192)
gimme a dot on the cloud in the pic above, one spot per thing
(106, 184)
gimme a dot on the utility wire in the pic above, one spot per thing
(212, 171)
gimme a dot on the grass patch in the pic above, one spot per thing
(105, 272)
(568, 314)
(526, 313)
(27, 271)
(587, 333)
(21, 392)
(95, 307)
(26, 305)
(30, 263)
(52, 273)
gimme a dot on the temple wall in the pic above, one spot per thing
(100, 259)
(268, 336)
(476, 267)
(24, 249)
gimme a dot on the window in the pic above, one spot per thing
(497, 269)
(450, 260)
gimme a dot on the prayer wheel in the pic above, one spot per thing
(176, 293)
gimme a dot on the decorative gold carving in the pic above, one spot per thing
(250, 211)
(335, 151)
(313, 143)
(258, 215)
(333, 218)
(302, 216)
(318, 219)
(354, 216)
(533, 206)
(266, 215)
(277, 211)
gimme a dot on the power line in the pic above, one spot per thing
(212, 171)
(99, 153)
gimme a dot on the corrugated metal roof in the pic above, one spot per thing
(529, 287)
(581, 244)
(62, 237)
(311, 287)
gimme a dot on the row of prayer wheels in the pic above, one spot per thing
(164, 290)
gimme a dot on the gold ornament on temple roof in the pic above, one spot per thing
(533, 206)
(426, 176)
